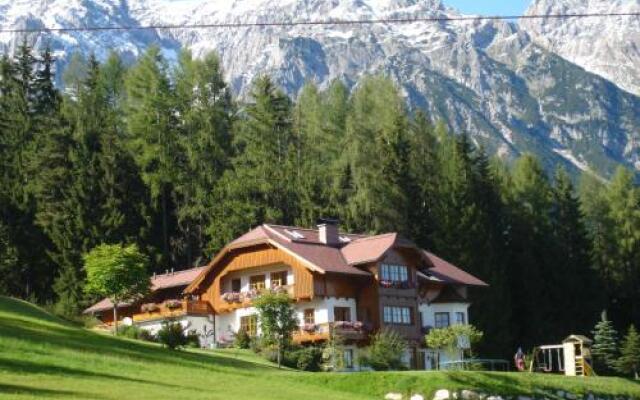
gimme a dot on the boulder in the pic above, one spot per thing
(393, 396)
(442, 394)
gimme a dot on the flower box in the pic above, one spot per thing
(149, 307)
(173, 304)
(232, 297)
(309, 328)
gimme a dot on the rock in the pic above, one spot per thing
(570, 396)
(560, 393)
(442, 394)
(417, 397)
(524, 398)
(393, 396)
(469, 395)
(494, 398)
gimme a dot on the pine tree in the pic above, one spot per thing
(260, 186)
(9, 269)
(151, 120)
(572, 262)
(375, 153)
(605, 344)
(206, 111)
(530, 237)
(629, 361)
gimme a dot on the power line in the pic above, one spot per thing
(336, 22)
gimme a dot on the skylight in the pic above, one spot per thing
(294, 234)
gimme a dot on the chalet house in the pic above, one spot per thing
(346, 284)
(165, 301)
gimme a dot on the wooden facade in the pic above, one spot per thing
(255, 257)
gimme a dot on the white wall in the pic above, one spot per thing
(428, 312)
(200, 324)
(228, 324)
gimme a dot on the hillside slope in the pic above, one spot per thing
(486, 78)
(43, 357)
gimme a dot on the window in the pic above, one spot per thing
(397, 315)
(257, 282)
(236, 285)
(442, 319)
(341, 314)
(249, 324)
(394, 273)
(309, 316)
(278, 278)
(347, 357)
(460, 320)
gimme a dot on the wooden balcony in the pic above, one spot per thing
(322, 332)
(163, 312)
(233, 301)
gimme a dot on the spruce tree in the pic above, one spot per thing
(151, 121)
(572, 263)
(605, 344)
(375, 153)
(206, 111)
(629, 361)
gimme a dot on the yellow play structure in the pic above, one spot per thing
(572, 357)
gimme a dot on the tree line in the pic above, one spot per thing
(165, 157)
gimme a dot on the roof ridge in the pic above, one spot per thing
(362, 239)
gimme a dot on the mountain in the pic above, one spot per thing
(608, 47)
(499, 81)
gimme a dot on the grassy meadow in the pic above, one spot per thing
(44, 357)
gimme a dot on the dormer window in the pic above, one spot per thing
(394, 273)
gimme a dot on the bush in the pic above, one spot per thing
(385, 352)
(193, 340)
(134, 332)
(129, 331)
(172, 335)
(308, 359)
(242, 340)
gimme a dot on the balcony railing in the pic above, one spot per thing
(170, 309)
(321, 332)
(234, 300)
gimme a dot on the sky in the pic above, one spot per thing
(490, 7)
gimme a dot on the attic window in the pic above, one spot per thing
(345, 239)
(294, 234)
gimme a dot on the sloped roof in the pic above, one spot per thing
(158, 282)
(343, 258)
(449, 273)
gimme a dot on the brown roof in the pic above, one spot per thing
(353, 250)
(449, 294)
(449, 273)
(158, 282)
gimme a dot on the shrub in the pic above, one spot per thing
(134, 332)
(193, 340)
(309, 359)
(242, 340)
(385, 352)
(129, 331)
(172, 335)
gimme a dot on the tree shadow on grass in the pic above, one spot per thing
(42, 393)
(90, 342)
(28, 367)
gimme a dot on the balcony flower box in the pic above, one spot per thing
(173, 304)
(149, 307)
(386, 284)
(343, 325)
(232, 297)
(279, 289)
(309, 328)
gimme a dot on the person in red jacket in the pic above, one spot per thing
(519, 359)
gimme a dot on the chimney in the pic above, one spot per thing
(328, 231)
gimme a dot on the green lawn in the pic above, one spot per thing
(44, 357)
